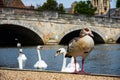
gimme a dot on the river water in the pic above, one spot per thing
(104, 58)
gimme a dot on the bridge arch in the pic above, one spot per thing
(26, 35)
(66, 36)
(118, 38)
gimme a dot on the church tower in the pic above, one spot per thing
(73, 6)
(102, 6)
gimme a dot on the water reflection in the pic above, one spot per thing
(104, 59)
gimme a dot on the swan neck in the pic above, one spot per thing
(64, 63)
(39, 56)
(20, 64)
(72, 60)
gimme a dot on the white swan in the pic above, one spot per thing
(40, 64)
(21, 59)
(70, 67)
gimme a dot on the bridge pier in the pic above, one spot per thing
(51, 42)
(110, 41)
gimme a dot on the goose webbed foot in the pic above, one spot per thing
(76, 72)
(83, 72)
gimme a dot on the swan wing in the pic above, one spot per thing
(24, 57)
(40, 64)
(71, 66)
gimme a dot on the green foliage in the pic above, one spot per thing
(49, 5)
(118, 4)
(5, 2)
(84, 7)
(61, 8)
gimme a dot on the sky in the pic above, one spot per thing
(66, 3)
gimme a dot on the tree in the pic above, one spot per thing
(61, 8)
(5, 2)
(84, 7)
(118, 4)
(50, 5)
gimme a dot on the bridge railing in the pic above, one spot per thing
(26, 13)
(18, 13)
(99, 19)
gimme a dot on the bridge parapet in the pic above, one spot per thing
(112, 22)
(27, 14)
(54, 27)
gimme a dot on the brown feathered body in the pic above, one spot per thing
(80, 47)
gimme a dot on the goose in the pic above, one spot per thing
(70, 67)
(81, 46)
(21, 59)
(40, 64)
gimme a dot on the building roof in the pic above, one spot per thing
(1, 3)
(113, 12)
(30, 7)
(17, 4)
(67, 10)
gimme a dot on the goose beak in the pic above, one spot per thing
(91, 34)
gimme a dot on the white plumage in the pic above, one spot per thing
(70, 67)
(40, 64)
(21, 59)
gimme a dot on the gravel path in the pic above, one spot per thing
(7, 74)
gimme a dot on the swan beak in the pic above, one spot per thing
(57, 53)
(41, 48)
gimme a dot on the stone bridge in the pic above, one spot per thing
(41, 30)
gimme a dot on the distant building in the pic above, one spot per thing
(30, 7)
(1, 3)
(73, 6)
(15, 3)
(7, 2)
(114, 13)
(67, 10)
(102, 6)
